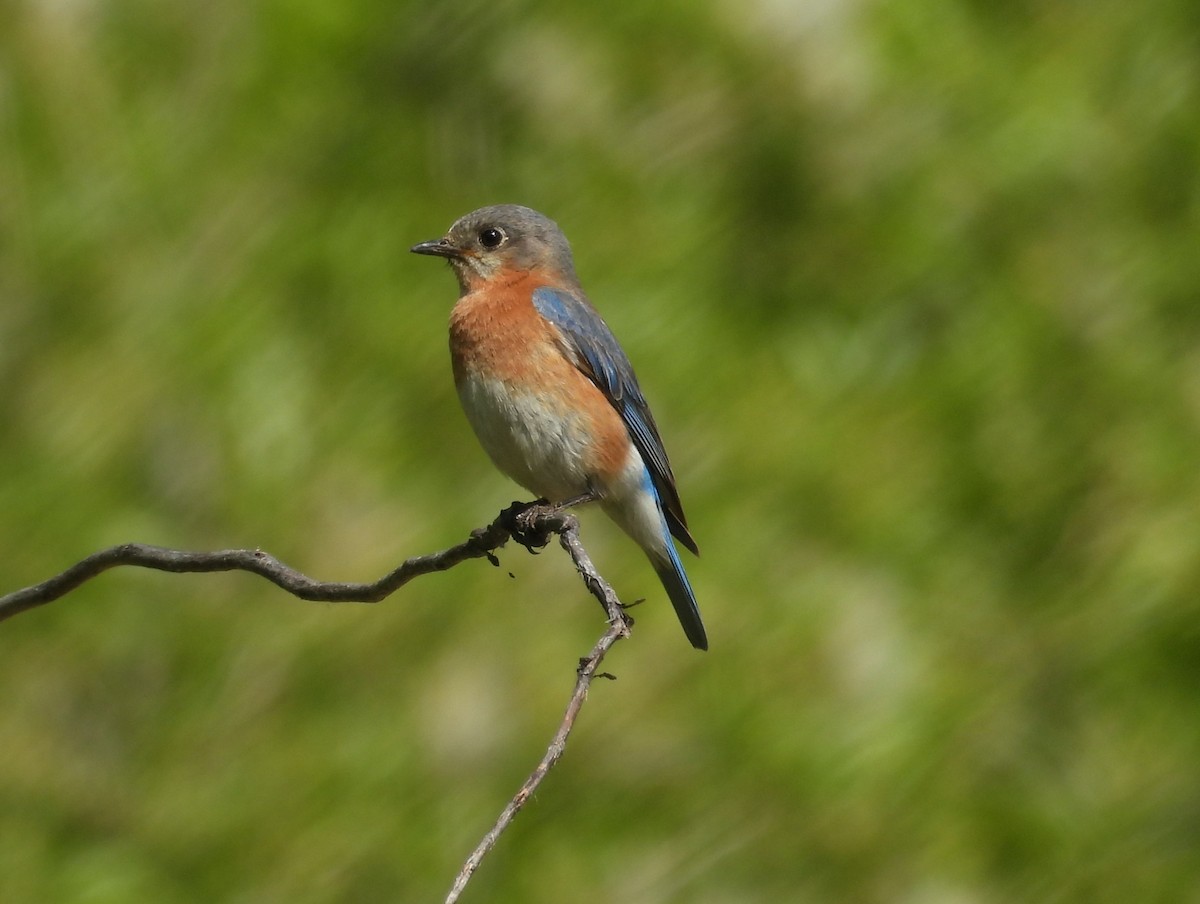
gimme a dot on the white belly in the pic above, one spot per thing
(546, 453)
(541, 449)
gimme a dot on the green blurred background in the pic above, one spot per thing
(914, 289)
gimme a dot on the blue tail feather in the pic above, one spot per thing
(679, 590)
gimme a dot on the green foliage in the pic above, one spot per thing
(915, 291)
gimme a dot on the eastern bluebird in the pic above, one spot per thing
(549, 392)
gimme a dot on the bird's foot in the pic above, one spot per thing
(525, 521)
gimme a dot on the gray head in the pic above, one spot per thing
(504, 237)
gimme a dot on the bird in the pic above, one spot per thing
(549, 392)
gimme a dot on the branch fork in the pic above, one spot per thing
(531, 525)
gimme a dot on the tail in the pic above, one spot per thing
(679, 590)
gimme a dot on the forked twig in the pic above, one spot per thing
(531, 525)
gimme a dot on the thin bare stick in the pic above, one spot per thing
(619, 624)
(535, 520)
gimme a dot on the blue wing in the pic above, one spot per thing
(598, 355)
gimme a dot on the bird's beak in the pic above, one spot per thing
(437, 248)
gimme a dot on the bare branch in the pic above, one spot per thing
(535, 520)
(619, 624)
(530, 524)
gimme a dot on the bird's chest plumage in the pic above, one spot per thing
(539, 418)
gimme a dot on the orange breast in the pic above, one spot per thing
(497, 334)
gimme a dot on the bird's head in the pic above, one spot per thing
(491, 241)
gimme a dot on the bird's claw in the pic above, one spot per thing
(522, 521)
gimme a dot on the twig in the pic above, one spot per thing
(481, 544)
(619, 624)
(530, 524)
(587, 671)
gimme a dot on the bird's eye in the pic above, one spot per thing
(491, 237)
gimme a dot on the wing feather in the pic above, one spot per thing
(596, 352)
